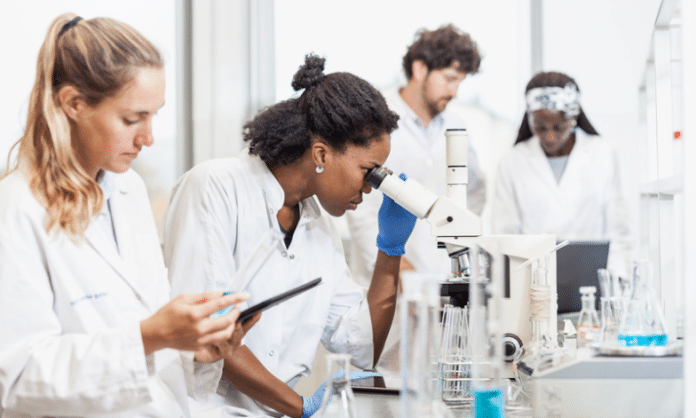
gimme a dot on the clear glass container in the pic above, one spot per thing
(642, 323)
(419, 346)
(339, 400)
(588, 322)
(488, 386)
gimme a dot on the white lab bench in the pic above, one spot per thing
(598, 387)
(588, 386)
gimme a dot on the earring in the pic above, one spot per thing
(320, 169)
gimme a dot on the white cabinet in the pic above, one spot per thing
(668, 173)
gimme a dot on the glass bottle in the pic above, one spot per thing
(338, 400)
(588, 322)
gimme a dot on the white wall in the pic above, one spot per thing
(604, 46)
(369, 39)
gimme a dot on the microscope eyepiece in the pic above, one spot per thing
(377, 175)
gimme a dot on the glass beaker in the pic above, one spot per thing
(420, 317)
(612, 310)
(338, 400)
(454, 364)
(642, 323)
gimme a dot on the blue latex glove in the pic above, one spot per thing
(311, 405)
(395, 226)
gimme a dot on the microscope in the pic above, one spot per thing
(457, 229)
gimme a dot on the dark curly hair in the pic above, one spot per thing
(551, 79)
(440, 48)
(340, 108)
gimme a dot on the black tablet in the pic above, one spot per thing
(247, 314)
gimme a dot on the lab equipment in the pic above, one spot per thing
(448, 216)
(611, 285)
(642, 323)
(455, 227)
(338, 400)
(420, 312)
(248, 313)
(611, 313)
(542, 351)
(588, 321)
(570, 335)
(454, 366)
(578, 263)
(335, 379)
(485, 292)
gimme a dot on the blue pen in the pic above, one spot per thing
(223, 311)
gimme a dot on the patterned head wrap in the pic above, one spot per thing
(565, 99)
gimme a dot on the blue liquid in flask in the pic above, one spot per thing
(642, 340)
(488, 402)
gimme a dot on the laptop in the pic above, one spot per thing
(576, 266)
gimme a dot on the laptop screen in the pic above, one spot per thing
(576, 266)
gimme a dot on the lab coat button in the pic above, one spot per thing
(271, 353)
(285, 254)
(292, 256)
(270, 211)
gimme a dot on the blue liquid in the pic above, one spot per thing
(488, 403)
(648, 340)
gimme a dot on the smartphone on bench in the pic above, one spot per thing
(248, 313)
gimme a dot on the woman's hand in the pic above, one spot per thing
(184, 323)
(224, 349)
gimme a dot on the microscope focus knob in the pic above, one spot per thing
(512, 347)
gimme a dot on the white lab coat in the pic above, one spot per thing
(422, 159)
(70, 342)
(218, 213)
(587, 204)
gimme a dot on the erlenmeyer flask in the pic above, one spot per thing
(338, 401)
(642, 323)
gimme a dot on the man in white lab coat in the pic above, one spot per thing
(559, 179)
(435, 64)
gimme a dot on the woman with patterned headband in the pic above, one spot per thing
(561, 177)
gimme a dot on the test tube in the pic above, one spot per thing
(486, 342)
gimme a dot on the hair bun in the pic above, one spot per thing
(310, 73)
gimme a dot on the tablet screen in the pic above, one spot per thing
(247, 314)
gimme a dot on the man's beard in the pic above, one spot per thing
(434, 108)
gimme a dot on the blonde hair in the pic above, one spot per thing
(98, 57)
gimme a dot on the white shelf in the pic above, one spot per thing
(666, 186)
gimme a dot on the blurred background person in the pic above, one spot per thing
(435, 64)
(561, 177)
